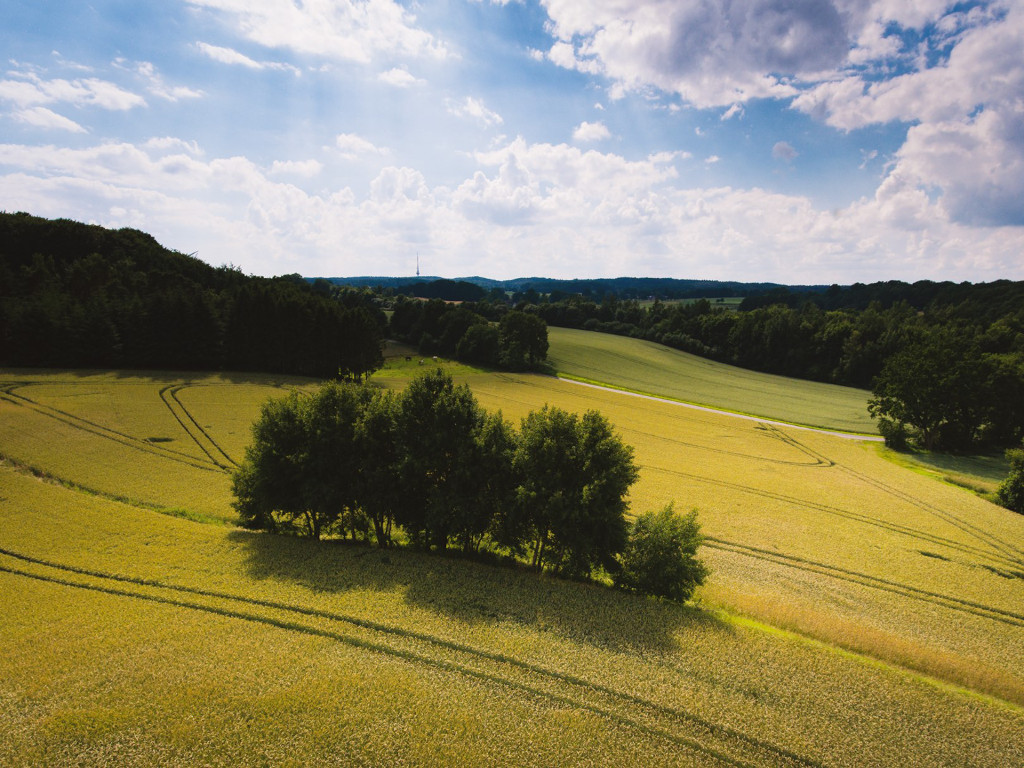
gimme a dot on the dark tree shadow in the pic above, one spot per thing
(320, 566)
(478, 593)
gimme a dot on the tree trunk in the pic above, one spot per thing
(380, 532)
(538, 550)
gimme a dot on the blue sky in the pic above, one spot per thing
(797, 141)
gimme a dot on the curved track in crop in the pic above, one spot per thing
(202, 438)
(106, 433)
(684, 729)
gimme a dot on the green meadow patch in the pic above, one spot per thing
(649, 368)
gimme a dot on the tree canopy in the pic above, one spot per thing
(485, 333)
(660, 557)
(357, 461)
(573, 476)
(1011, 490)
(301, 471)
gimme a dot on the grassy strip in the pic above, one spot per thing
(962, 477)
(712, 407)
(882, 651)
(875, 648)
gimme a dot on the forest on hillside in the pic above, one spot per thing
(75, 295)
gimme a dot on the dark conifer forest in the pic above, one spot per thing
(75, 295)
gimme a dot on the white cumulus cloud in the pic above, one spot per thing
(41, 117)
(301, 168)
(712, 54)
(476, 110)
(953, 74)
(400, 78)
(352, 30)
(352, 146)
(588, 132)
(29, 89)
(236, 58)
(522, 205)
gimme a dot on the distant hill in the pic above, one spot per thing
(991, 300)
(623, 287)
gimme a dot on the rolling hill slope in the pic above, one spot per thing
(643, 366)
(133, 637)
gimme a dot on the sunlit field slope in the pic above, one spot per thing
(167, 442)
(643, 366)
(131, 637)
(822, 534)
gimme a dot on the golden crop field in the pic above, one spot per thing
(137, 437)
(821, 534)
(643, 366)
(857, 613)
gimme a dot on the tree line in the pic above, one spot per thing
(76, 295)
(430, 468)
(487, 333)
(951, 375)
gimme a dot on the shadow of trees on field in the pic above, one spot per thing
(477, 593)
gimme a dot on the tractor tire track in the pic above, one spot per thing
(98, 430)
(865, 580)
(903, 530)
(684, 729)
(1008, 550)
(773, 431)
(815, 464)
(1003, 547)
(206, 443)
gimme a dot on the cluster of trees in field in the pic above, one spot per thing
(83, 296)
(484, 333)
(952, 374)
(951, 388)
(428, 466)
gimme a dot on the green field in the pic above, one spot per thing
(643, 366)
(857, 613)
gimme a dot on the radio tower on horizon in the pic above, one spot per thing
(417, 263)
